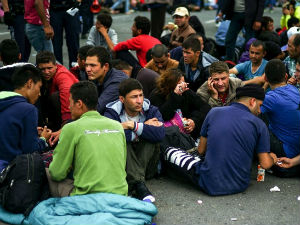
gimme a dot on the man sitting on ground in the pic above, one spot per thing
(141, 42)
(256, 66)
(93, 147)
(79, 70)
(281, 106)
(181, 19)
(144, 130)
(161, 60)
(101, 34)
(226, 168)
(19, 117)
(195, 63)
(55, 104)
(220, 89)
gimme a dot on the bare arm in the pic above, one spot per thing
(233, 71)
(202, 145)
(5, 5)
(285, 162)
(260, 80)
(39, 6)
(104, 32)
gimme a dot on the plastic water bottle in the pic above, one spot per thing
(260, 173)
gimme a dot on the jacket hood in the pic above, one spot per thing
(117, 106)
(8, 98)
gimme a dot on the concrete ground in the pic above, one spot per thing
(177, 202)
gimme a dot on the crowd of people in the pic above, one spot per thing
(186, 104)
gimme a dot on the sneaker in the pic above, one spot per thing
(143, 193)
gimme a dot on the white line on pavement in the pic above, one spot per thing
(209, 21)
(4, 33)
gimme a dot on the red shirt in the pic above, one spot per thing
(62, 82)
(31, 16)
(141, 44)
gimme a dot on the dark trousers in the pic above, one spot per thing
(142, 161)
(18, 33)
(277, 147)
(158, 15)
(61, 20)
(236, 25)
(87, 16)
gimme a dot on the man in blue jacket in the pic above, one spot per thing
(143, 125)
(98, 68)
(19, 117)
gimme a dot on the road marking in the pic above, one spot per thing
(209, 21)
(4, 33)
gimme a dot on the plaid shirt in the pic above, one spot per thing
(290, 65)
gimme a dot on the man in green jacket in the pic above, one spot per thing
(93, 147)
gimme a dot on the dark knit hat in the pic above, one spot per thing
(251, 90)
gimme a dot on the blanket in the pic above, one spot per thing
(92, 209)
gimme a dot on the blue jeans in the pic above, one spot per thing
(37, 38)
(118, 2)
(236, 25)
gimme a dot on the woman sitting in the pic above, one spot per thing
(178, 105)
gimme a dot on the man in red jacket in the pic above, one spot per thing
(55, 98)
(141, 42)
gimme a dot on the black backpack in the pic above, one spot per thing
(23, 184)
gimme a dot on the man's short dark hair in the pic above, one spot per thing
(102, 54)
(143, 23)
(82, 51)
(45, 57)
(159, 51)
(105, 19)
(86, 91)
(275, 71)
(120, 64)
(9, 51)
(23, 74)
(293, 21)
(192, 43)
(258, 43)
(296, 40)
(265, 20)
(218, 67)
(129, 85)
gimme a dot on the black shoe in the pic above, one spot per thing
(143, 193)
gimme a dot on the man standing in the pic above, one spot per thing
(98, 68)
(19, 117)
(141, 42)
(144, 129)
(281, 106)
(242, 13)
(226, 168)
(256, 66)
(181, 19)
(37, 28)
(195, 63)
(58, 82)
(161, 60)
(92, 146)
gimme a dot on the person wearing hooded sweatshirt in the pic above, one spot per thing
(281, 105)
(19, 117)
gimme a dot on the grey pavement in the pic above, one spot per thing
(177, 201)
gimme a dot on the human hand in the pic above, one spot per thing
(128, 125)
(54, 137)
(180, 88)
(154, 122)
(256, 25)
(285, 11)
(189, 125)
(211, 88)
(285, 162)
(40, 130)
(46, 133)
(49, 33)
(274, 157)
(292, 81)
(169, 26)
(102, 29)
